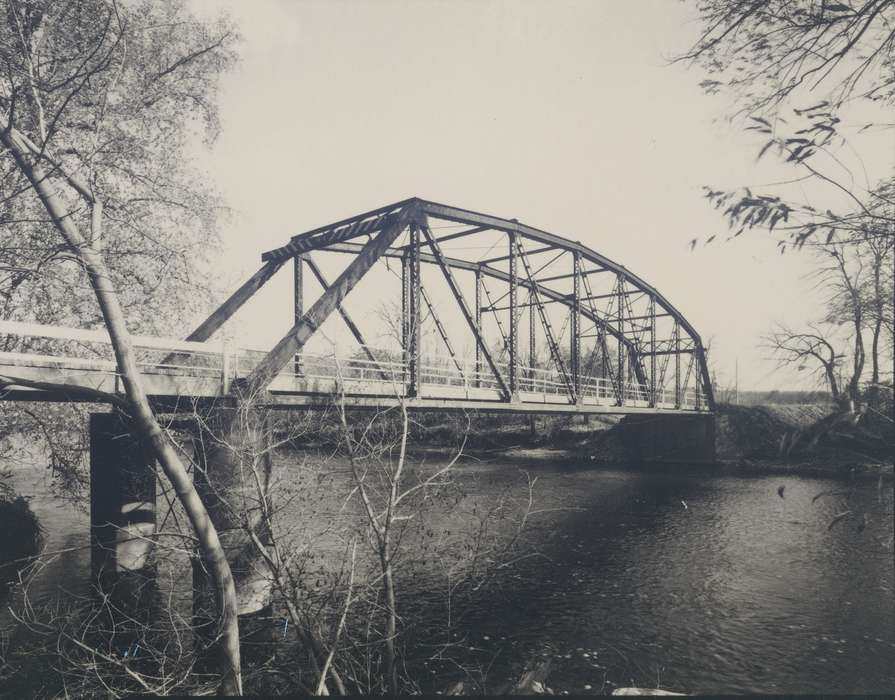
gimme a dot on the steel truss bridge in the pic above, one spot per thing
(555, 326)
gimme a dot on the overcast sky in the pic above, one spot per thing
(565, 115)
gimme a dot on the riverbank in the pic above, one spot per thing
(800, 439)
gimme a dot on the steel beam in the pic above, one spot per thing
(564, 300)
(621, 370)
(298, 302)
(575, 329)
(706, 379)
(588, 369)
(226, 310)
(677, 365)
(415, 318)
(700, 354)
(514, 320)
(301, 332)
(529, 283)
(646, 317)
(604, 358)
(635, 349)
(652, 347)
(363, 224)
(478, 327)
(503, 335)
(601, 328)
(613, 295)
(548, 330)
(458, 234)
(566, 276)
(470, 319)
(494, 273)
(508, 256)
(686, 380)
(349, 322)
(532, 347)
(405, 316)
(683, 351)
(441, 331)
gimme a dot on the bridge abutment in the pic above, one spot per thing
(669, 438)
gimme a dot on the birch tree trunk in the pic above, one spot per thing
(143, 418)
(233, 477)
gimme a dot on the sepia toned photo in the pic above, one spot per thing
(446, 347)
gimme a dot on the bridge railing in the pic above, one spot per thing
(82, 350)
(36, 343)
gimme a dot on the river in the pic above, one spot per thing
(690, 581)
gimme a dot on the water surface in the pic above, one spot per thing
(690, 581)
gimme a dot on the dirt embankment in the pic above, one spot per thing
(807, 439)
(774, 438)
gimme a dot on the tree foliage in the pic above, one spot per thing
(111, 94)
(765, 51)
(860, 214)
(791, 67)
(97, 107)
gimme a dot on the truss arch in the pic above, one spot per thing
(638, 351)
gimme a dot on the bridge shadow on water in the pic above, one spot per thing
(677, 579)
(579, 547)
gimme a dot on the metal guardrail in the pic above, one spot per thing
(323, 372)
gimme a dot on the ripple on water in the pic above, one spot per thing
(741, 592)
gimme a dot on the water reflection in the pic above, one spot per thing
(698, 583)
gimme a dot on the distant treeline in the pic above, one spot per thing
(757, 398)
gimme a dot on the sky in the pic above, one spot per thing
(568, 116)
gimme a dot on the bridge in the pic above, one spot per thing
(518, 319)
(554, 327)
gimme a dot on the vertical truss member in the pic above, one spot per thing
(470, 319)
(548, 329)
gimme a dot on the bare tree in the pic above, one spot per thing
(853, 275)
(847, 307)
(810, 350)
(382, 493)
(878, 294)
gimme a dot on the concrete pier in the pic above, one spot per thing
(670, 438)
(122, 525)
(122, 509)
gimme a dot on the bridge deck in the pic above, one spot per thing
(175, 371)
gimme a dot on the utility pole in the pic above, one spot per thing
(736, 382)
